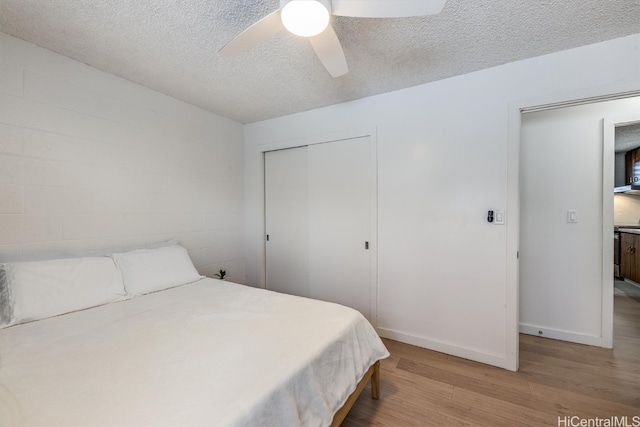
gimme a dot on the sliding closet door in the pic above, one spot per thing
(318, 202)
(286, 221)
(340, 223)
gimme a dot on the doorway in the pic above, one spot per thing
(566, 221)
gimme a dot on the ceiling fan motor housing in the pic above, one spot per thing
(305, 18)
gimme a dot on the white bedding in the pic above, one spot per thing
(208, 353)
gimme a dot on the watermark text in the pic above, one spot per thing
(613, 421)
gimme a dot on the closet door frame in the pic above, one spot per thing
(371, 133)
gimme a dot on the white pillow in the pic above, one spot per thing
(150, 270)
(40, 289)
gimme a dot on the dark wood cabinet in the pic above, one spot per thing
(632, 167)
(630, 256)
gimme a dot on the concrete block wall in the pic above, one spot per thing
(90, 161)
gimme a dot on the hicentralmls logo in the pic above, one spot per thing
(614, 421)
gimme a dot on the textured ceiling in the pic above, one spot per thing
(627, 137)
(172, 46)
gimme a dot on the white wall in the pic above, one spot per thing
(442, 163)
(89, 160)
(620, 170)
(561, 264)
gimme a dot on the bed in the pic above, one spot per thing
(208, 352)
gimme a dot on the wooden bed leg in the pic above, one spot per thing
(375, 381)
(373, 374)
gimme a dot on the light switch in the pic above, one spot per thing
(572, 216)
(499, 218)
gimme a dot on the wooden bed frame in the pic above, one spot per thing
(374, 374)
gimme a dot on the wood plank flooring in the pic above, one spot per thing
(420, 387)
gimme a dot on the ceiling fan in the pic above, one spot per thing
(310, 19)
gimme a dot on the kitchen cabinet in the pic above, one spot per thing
(632, 167)
(630, 256)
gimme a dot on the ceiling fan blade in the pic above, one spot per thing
(329, 50)
(260, 31)
(386, 8)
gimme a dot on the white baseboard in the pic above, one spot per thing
(558, 334)
(490, 359)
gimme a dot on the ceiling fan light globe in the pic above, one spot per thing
(305, 18)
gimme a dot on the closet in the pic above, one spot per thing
(319, 211)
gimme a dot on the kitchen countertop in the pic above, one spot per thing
(628, 230)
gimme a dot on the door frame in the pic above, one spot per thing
(367, 132)
(609, 137)
(515, 110)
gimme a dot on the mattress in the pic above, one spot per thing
(206, 353)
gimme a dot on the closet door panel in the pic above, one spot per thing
(339, 190)
(287, 221)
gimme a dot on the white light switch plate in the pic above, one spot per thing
(499, 218)
(572, 216)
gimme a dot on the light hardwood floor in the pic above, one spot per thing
(556, 379)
